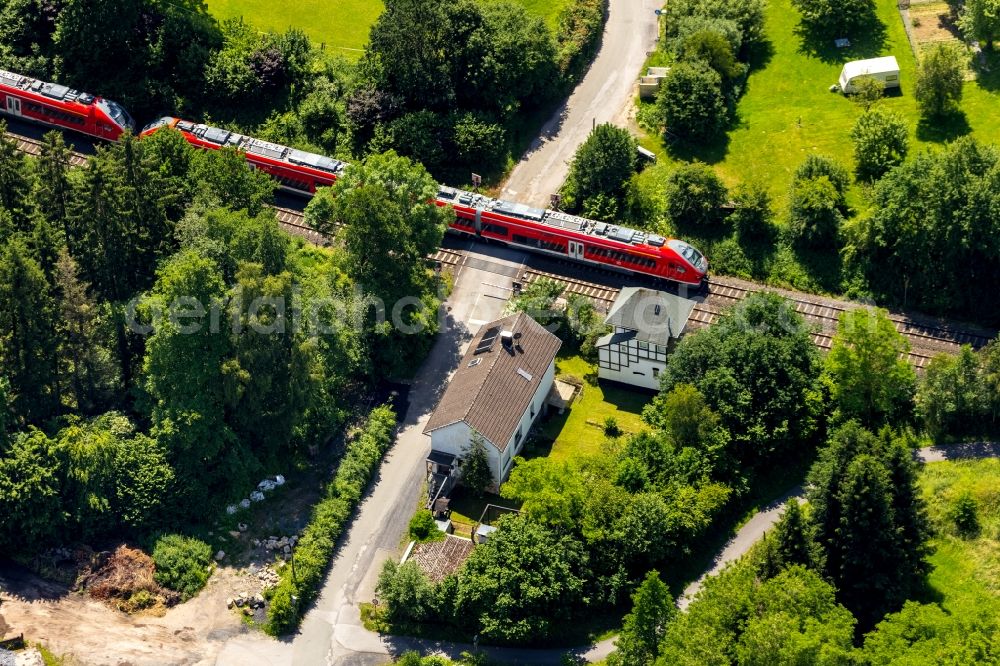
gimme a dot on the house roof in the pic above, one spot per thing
(655, 316)
(494, 383)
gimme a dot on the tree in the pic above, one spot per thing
(836, 18)
(793, 618)
(31, 507)
(814, 220)
(980, 21)
(28, 340)
(881, 141)
(684, 415)
(926, 634)
(476, 473)
(52, 188)
(935, 210)
(867, 372)
(15, 180)
(790, 544)
(691, 101)
(867, 91)
(644, 628)
(320, 210)
(940, 75)
(752, 217)
(185, 380)
(952, 400)
(816, 166)
(870, 521)
(522, 582)
(695, 195)
(712, 48)
(406, 592)
(758, 369)
(602, 164)
(226, 179)
(85, 356)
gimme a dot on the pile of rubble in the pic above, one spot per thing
(248, 602)
(265, 486)
(266, 576)
(283, 545)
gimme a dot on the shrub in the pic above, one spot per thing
(965, 515)
(580, 26)
(692, 103)
(939, 81)
(422, 526)
(752, 215)
(695, 195)
(611, 427)
(815, 166)
(813, 217)
(880, 143)
(183, 564)
(315, 548)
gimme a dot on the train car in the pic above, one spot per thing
(55, 105)
(295, 170)
(576, 238)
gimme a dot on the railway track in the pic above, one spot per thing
(927, 338)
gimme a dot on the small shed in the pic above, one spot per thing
(884, 69)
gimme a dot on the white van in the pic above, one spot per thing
(884, 69)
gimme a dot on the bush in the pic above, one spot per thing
(183, 564)
(314, 550)
(611, 427)
(692, 103)
(815, 166)
(695, 195)
(965, 515)
(602, 164)
(880, 143)
(813, 217)
(940, 75)
(578, 35)
(752, 215)
(423, 527)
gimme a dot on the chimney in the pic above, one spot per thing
(507, 338)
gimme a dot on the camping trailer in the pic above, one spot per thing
(884, 69)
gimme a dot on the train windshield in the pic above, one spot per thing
(116, 113)
(157, 124)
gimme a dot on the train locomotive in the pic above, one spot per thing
(582, 240)
(549, 232)
(59, 106)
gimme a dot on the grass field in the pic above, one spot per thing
(788, 112)
(966, 571)
(580, 430)
(342, 25)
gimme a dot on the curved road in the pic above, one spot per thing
(603, 96)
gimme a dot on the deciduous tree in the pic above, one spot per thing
(881, 141)
(692, 102)
(602, 165)
(940, 76)
(644, 628)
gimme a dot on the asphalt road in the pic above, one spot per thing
(603, 96)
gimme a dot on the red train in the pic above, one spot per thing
(568, 236)
(295, 170)
(59, 106)
(544, 231)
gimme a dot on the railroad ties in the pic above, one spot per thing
(928, 337)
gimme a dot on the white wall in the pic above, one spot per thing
(455, 438)
(637, 373)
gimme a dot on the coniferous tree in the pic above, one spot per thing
(644, 628)
(794, 542)
(15, 180)
(27, 335)
(476, 473)
(52, 190)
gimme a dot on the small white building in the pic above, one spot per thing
(884, 69)
(498, 390)
(645, 323)
(649, 84)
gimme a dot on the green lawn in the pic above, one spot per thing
(466, 510)
(788, 112)
(580, 430)
(966, 570)
(342, 25)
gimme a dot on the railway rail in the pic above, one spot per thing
(927, 337)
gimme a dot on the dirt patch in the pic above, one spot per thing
(934, 23)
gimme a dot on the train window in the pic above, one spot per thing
(462, 222)
(498, 229)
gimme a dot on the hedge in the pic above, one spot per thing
(581, 24)
(315, 549)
